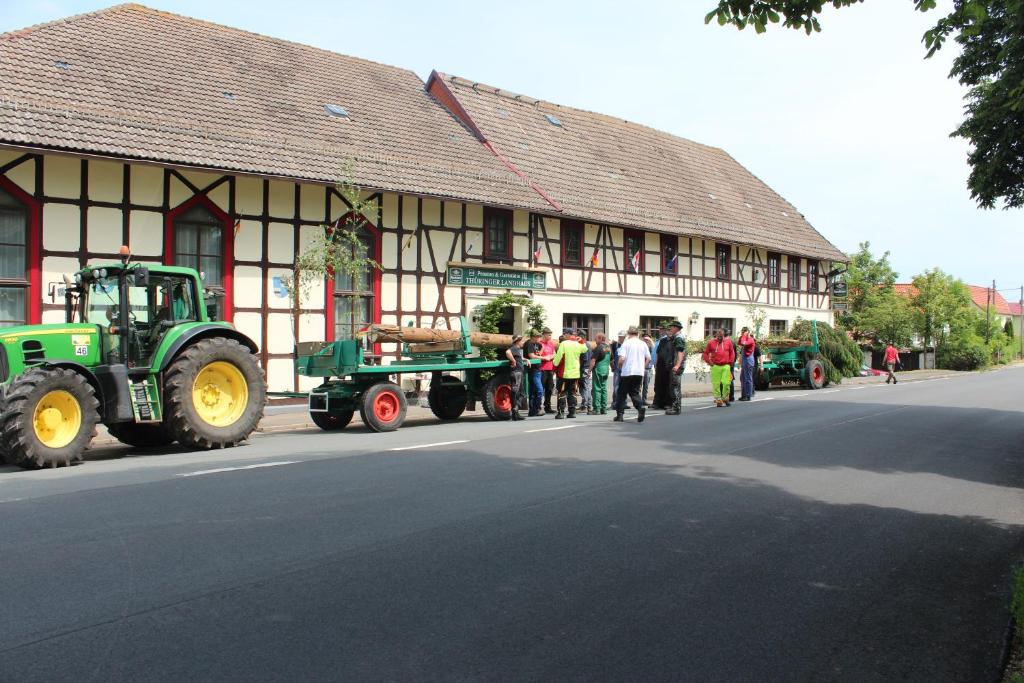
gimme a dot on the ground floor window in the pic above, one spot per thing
(777, 328)
(589, 324)
(712, 324)
(650, 324)
(14, 283)
(199, 236)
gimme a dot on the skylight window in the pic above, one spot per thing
(504, 113)
(336, 110)
(553, 120)
(62, 65)
(228, 95)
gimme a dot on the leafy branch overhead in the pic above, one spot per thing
(991, 65)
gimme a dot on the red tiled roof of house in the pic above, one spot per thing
(600, 167)
(979, 295)
(130, 81)
(1015, 309)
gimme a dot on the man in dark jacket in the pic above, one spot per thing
(676, 342)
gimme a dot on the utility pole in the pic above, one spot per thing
(1020, 322)
(989, 300)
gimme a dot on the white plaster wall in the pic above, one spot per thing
(104, 234)
(62, 176)
(281, 243)
(248, 287)
(250, 324)
(55, 267)
(61, 227)
(249, 195)
(453, 214)
(389, 215)
(280, 374)
(146, 233)
(431, 212)
(312, 201)
(279, 333)
(282, 199)
(106, 181)
(146, 185)
(273, 300)
(474, 216)
(312, 327)
(249, 241)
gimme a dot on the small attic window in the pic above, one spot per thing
(553, 120)
(711, 196)
(747, 204)
(228, 95)
(785, 214)
(336, 110)
(62, 65)
(503, 113)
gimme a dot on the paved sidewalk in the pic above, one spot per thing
(282, 416)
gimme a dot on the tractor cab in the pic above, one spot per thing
(134, 306)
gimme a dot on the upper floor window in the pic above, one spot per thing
(722, 261)
(669, 254)
(353, 297)
(199, 244)
(774, 261)
(812, 276)
(572, 243)
(713, 324)
(634, 257)
(794, 273)
(14, 282)
(497, 233)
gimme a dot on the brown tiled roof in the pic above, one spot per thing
(602, 168)
(140, 83)
(979, 295)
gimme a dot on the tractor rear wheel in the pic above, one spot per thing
(330, 422)
(815, 372)
(498, 397)
(447, 398)
(48, 418)
(383, 407)
(214, 394)
(140, 435)
(761, 383)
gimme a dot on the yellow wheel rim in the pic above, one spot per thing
(57, 419)
(220, 394)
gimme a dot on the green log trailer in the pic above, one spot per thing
(800, 364)
(458, 382)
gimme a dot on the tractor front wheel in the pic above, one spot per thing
(383, 407)
(140, 435)
(815, 372)
(48, 418)
(214, 394)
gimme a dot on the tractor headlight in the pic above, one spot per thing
(78, 278)
(103, 272)
(95, 275)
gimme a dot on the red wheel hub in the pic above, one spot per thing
(818, 372)
(385, 406)
(503, 398)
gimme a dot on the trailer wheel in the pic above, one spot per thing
(815, 372)
(332, 421)
(214, 394)
(383, 407)
(49, 417)
(760, 383)
(140, 435)
(447, 398)
(498, 397)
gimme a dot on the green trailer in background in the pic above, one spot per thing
(459, 379)
(792, 363)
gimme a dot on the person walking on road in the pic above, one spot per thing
(533, 351)
(747, 345)
(547, 369)
(676, 342)
(892, 359)
(600, 359)
(662, 362)
(634, 359)
(516, 364)
(720, 354)
(568, 357)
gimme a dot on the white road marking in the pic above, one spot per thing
(705, 407)
(795, 395)
(551, 429)
(428, 445)
(233, 469)
(828, 391)
(758, 400)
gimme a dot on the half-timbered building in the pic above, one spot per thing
(207, 146)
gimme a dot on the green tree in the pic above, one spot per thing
(886, 317)
(941, 305)
(867, 279)
(991, 65)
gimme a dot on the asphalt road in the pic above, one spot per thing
(865, 533)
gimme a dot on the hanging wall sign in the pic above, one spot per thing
(495, 276)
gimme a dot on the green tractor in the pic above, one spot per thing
(138, 353)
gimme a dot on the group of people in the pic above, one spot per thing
(573, 373)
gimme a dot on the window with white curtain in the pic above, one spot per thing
(14, 286)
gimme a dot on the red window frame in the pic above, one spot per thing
(720, 251)
(774, 259)
(375, 279)
(490, 213)
(669, 242)
(228, 267)
(33, 282)
(573, 228)
(794, 282)
(627, 264)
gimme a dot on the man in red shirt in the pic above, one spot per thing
(892, 359)
(747, 345)
(547, 368)
(720, 354)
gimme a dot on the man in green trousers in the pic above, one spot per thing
(599, 363)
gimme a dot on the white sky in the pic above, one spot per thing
(851, 125)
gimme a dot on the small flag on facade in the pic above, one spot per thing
(472, 245)
(594, 260)
(536, 253)
(635, 261)
(238, 226)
